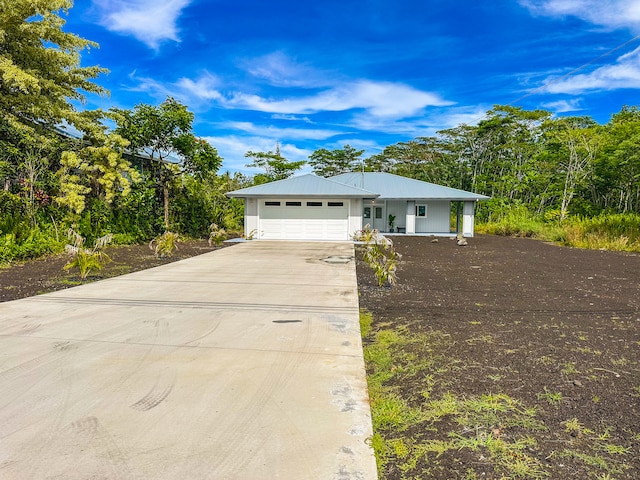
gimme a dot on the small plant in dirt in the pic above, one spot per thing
(86, 259)
(164, 245)
(217, 235)
(379, 254)
(552, 398)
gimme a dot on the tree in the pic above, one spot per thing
(98, 168)
(164, 133)
(616, 179)
(576, 141)
(40, 68)
(276, 167)
(328, 163)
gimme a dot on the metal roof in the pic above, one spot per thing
(395, 187)
(305, 185)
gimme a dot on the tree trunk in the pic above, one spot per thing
(165, 191)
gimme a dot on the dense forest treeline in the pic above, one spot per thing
(139, 172)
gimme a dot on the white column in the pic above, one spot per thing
(468, 219)
(251, 217)
(411, 217)
(355, 215)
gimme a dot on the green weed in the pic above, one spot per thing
(552, 398)
(217, 235)
(85, 259)
(164, 245)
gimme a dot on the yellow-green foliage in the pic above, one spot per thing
(217, 235)
(606, 231)
(85, 259)
(164, 245)
(101, 166)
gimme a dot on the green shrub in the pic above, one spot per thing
(85, 259)
(217, 235)
(164, 245)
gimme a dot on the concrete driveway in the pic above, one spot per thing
(244, 363)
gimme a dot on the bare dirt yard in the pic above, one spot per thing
(33, 277)
(507, 358)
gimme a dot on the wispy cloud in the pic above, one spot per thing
(233, 147)
(270, 131)
(204, 87)
(607, 13)
(625, 73)
(280, 70)
(150, 21)
(293, 118)
(388, 100)
(383, 99)
(563, 106)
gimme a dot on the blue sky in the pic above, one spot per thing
(369, 73)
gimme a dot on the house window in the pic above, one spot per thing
(378, 211)
(314, 204)
(421, 211)
(367, 212)
(294, 204)
(272, 204)
(339, 204)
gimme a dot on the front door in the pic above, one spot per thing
(378, 218)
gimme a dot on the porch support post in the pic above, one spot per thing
(411, 217)
(468, 219)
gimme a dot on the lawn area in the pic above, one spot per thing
(507, 358)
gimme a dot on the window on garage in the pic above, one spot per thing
(272, 204)
(335, 204)
(294, 204)
(314, 204)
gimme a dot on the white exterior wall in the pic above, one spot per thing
(437, 220)
(251, 216)
(399, 209)
(355, 215)
(468, 219)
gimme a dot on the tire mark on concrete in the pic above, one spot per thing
(155, 397)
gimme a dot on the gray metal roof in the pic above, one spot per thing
(303, 186)
(395, 187)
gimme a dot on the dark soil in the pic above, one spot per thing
(526, 317)
(25, 279)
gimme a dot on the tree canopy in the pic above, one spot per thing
(40, 65)
(275, 166)
(165, 134)
(328, 163)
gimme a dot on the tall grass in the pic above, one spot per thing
(606, 231)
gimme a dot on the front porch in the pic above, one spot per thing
(420, 217)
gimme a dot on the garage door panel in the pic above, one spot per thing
(304, 222)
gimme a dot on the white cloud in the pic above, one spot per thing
(150, 21)
(278, 69)
(280, 133)
(607, 13)
(427, 125)
(385, 100)
(232, 148)
(204, 87)
(563, 106)
(625, 73)
(296, 118)
(382, 99)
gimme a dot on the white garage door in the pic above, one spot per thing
(304, 219)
